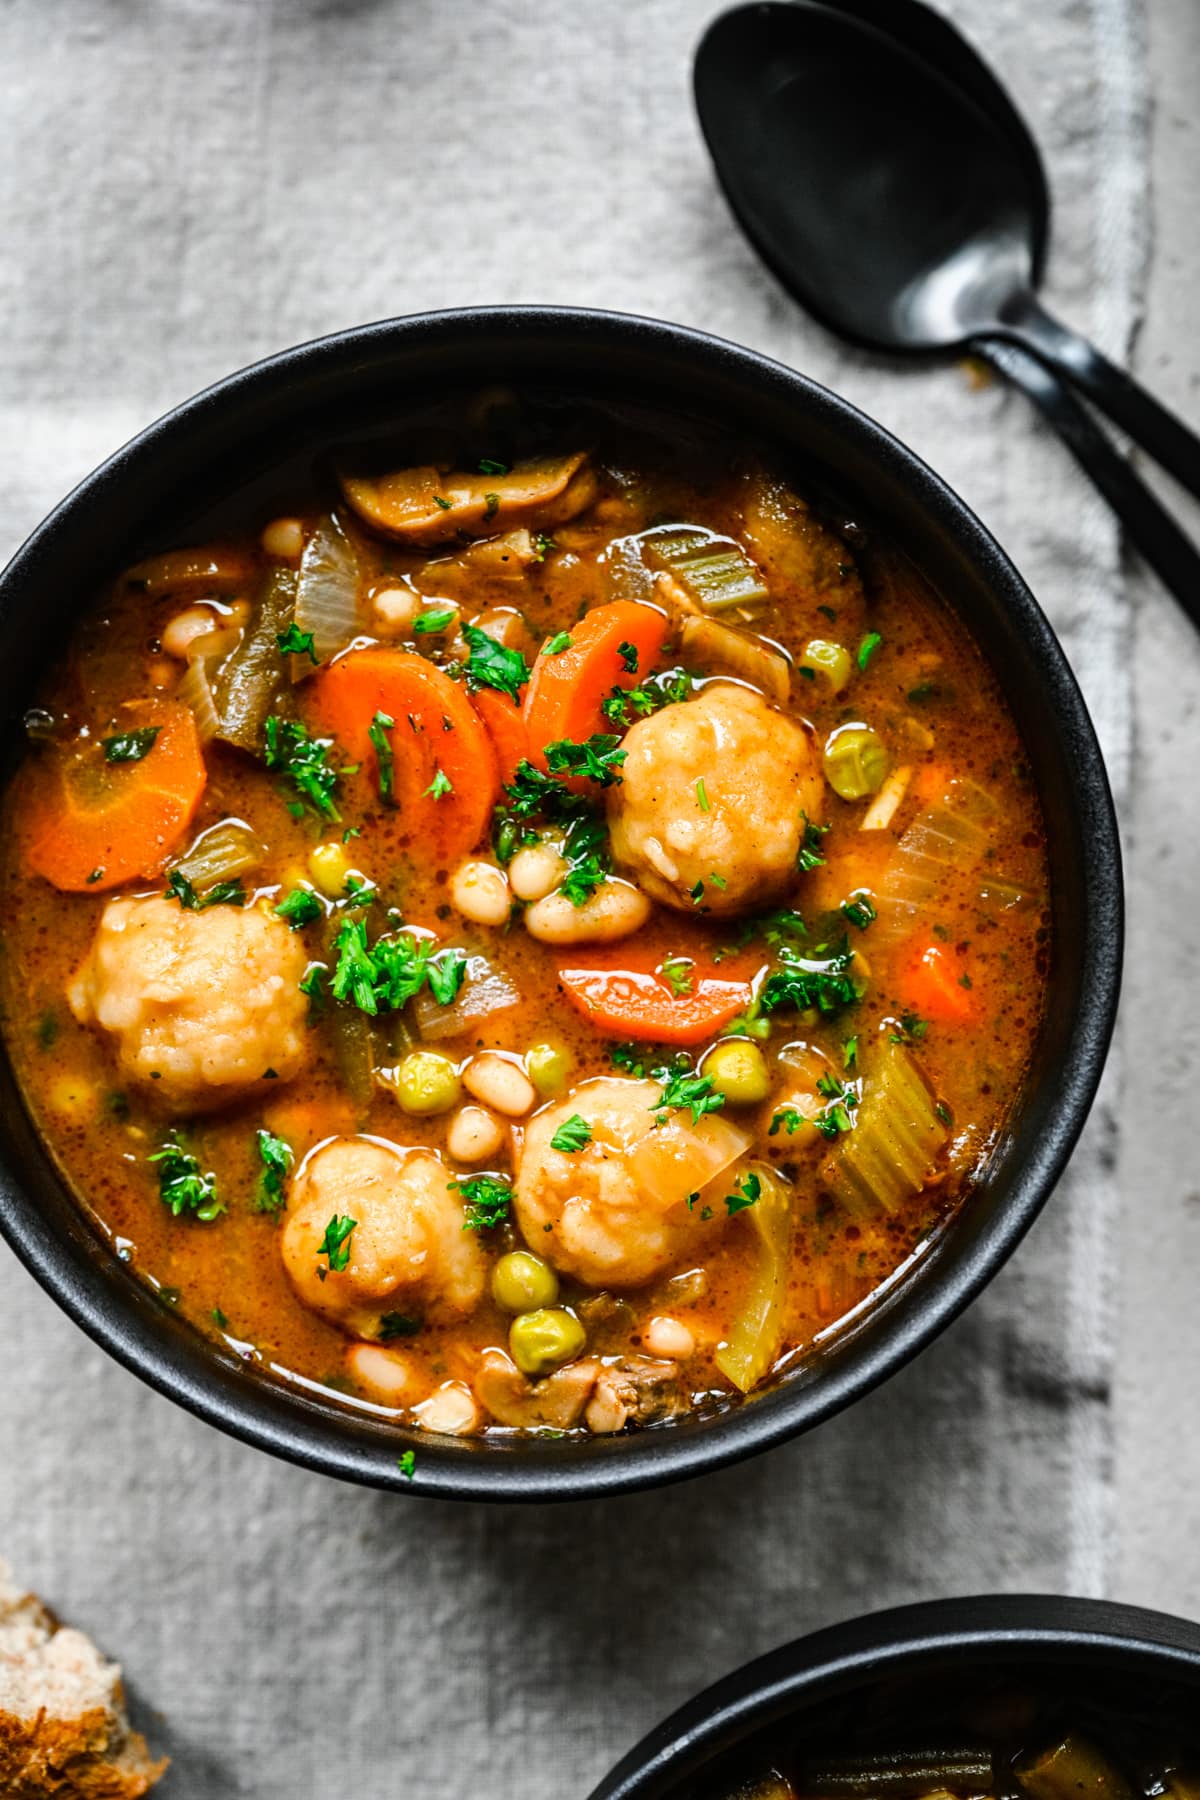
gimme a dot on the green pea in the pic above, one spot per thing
(547, 1067)
(830, 660)
(738, 1069)
(523, 1283)
(427, 1082)
(856, 761)
(544, 1340)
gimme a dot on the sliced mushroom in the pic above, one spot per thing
(710, 643)
(428, 505)
(200, 573)
(556, 1402)
(635, 1390)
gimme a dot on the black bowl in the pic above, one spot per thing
(292, 403)
(1149, 1657)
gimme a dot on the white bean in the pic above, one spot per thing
(474, 1134)
(284, 538)
(605, 1413)
(480, 891)
(665, 1336)
(183, 630)
(389, 1376)
(536, 871)
(613, 911)
(395, 608)
(500, 1084)
(450, 1409)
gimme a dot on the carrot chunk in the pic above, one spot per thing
(612, 646)
(95, 819)
(636, 1003)
(428, 774)
(936, 984)
(505, 725)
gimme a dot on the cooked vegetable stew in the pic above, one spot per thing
(532, 929)
(999, 1736)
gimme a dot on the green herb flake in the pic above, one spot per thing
(312, 984)
(573, 1134)
(718, 881)
(304, 760)
(276, 1158)
(629, 657)
(300, 907)
(378, 733)
(224, 893)
(218, 1318)
(182, 1184)
(398, 1325)
(684, 1091)
(335, 1245)
(491, 506)
(294, 642)
(437, 619)
(599, 759)
(677, 972)
(542, 546)
(696, 892)
(702, 796)
(489, 466)
(821, 981)
(47, 1029)
(488, 1199)
(554, 646)
(130, 746)
(383, 977)
(859, 911)
(786, 1118)
(440, 500)
(493, 665)
(439, 786)
(407, 1464)
(868, 647)
(746, 1192)
(850, 1053)
(810, 855)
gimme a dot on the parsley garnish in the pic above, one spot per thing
(868, 647)
(335, 1245)
(599, 759)
(555, 645)
(841, 1101)
(304, 760)
(702, 796)
(788, 1116)
(494, 665)
(385, 975)
(667, 689)
(182, 1185)
(294, 642)
(437, 620)
(629, 656)
(385, 757)
(695, 1092)
(440, 785)
(312, 983)
(407, 1464)
(677, 970)
(822, 982)
(276, 1158)
(859, 911)
(914, 1026)
(395, 1325)
(850, 1053)
(225, 893)
(300, 907)
(440, 500)
(744, 1194)
(573, 1134)
(489, 466)
(532, 794)
(542, 545)
(809, 856)
(488, 1198)
(130, 746)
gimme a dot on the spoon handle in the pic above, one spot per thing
(1149, 526)
(1167, 439)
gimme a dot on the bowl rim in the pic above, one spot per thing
(279, 1423)
(1048, 1628)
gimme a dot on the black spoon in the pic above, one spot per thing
(842, 151)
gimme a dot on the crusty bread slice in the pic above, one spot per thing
(63, 1726)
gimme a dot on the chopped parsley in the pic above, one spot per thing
(488, 1198)
(305, 761)
(718, 881)
(397, 1325)
(913, 1026)
(276, 1158)
(745, 1193)
(531, 794)
(687, 1091)
(435, 620)
(542, 546)
(47, 1029)
(677, 971)
(294, 642)
(840, 1101)
(489, 466)
(821, 981)
(702, 796)
(555, 645)
(629, 656)
(385, 757)
(586, 850)
(868, 647)
(218, 1318)
(383, 976)
(599, 759)
(312, 983)
(440, 500)
(224, 893)
(809, 856)
(491, 505)
(130, 746)
(493, 665)
(182, 1185)
(407, 1464)
(573, 1134)
(788, 1117)
(657, 691)
(300, 907)
(439, 786)
(850, 1053)
(859, 910)
(696, 892)
(335, 1245)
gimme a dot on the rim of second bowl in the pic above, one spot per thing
(976, 1628)
(295, 1422)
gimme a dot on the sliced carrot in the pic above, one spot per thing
(435, 729)
(636, 1003)
(505, 724)
(935, 983)
(564, 693)
(91, 824)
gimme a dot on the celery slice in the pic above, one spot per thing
(896, 1138)
(714, 571)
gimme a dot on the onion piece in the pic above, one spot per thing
(485, 991)
(220, 853)
(679, 1158)
(326, 595)
(953, 834)
(757, 1332)
(214, 569)
(706, 642)
(196, 683)
(886, 803)
(249, 680)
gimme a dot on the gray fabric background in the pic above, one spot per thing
(186, 186)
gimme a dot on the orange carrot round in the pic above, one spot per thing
(564, 693)
(505, 725)
(437, 787)
(636, 1003)
(935, 984)
(91, 823)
